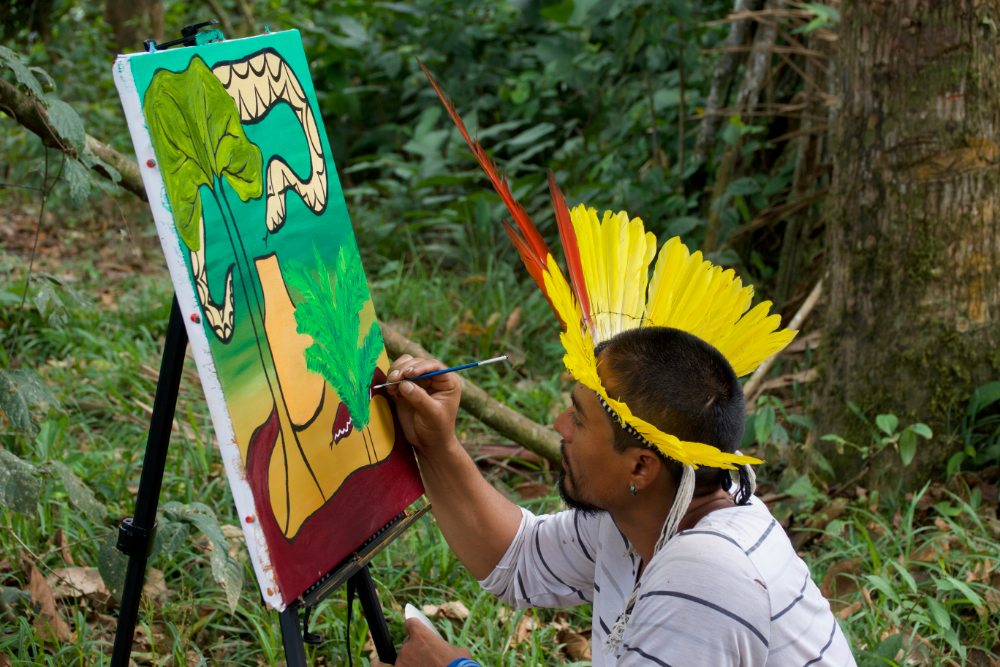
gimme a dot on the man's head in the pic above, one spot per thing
(672, 379)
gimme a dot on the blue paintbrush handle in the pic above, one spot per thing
(446, 370)
(443, 371)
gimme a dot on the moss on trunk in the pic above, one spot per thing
(912, 319)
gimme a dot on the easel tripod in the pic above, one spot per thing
(136, 534)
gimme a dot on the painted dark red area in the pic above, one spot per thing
(343, 425)
(368, 500)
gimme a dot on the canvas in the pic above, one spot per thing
(267, 273)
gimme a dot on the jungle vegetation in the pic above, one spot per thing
(841, 156)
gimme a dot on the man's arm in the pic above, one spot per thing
(478, 523)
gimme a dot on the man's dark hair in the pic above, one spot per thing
(680, 384)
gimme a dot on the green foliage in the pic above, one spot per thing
(885, 435)
(66, 123)
(187, 113)
(176, 518)
(330, 312)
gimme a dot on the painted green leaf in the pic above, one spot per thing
(330, 312)
(197, 136)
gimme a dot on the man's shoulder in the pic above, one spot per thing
(747, 527)
(724, 540)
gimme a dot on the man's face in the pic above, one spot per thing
(590, 463)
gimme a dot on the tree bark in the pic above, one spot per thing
(718, 94)
(758, 66)
(129, 32)
(808, 159)
(911, 325)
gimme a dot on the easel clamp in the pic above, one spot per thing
(135, 539)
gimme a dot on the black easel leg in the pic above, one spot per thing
(291, 636)
(373, 614)
(136, 537)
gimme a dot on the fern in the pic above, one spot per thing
(330, 312)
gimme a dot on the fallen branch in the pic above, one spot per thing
(750, 388)
(509, 423)
(34, 117)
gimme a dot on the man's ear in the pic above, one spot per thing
(646, 467)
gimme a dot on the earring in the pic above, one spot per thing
(632, 490)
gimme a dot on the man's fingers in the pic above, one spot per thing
(414, 626)
(421, 366)
(407, 366)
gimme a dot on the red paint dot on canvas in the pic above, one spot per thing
(250, 519)
(150, 163)
(195, 318)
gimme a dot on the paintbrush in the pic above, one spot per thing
(446, 370)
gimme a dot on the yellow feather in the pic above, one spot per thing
(672, 259)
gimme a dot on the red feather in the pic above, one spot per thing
(570, 247)
(531, 246)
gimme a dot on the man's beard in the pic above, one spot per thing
(572, 502)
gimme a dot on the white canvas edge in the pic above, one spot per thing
(184, 291)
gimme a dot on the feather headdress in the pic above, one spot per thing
(609, 291)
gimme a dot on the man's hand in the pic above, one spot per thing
(423, 648)
(426, 408)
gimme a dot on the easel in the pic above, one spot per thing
(136, 534)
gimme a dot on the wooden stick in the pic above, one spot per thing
(34, 117)
(509, 423)
(758, 375)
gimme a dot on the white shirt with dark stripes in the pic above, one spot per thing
(730, 591)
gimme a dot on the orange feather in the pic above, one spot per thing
(531, 246)
(570, 246)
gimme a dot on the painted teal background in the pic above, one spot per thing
(278, 134)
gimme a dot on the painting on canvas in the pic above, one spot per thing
(267, 272)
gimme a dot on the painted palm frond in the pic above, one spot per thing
(330, 313)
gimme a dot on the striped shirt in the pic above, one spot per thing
(730, 591)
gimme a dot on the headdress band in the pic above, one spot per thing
(624, 424)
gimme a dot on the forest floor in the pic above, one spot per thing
(912, 577)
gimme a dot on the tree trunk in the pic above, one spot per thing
(808, 159)
(912, 319)
(133, 21)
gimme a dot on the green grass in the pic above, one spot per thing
(101, 362)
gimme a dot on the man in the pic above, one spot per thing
(725, 589)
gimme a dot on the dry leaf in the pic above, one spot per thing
(454, 610)
(992, 595)
(513, 320)
(533, 490)
(52, 623)
(71, 582)
(60, 540)
(523, 630)
(839, 582)
(560, 621)
(237, 538)
(4, 660)
(154, 586)
(847, 611)
(929, 552)
(577, 647)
